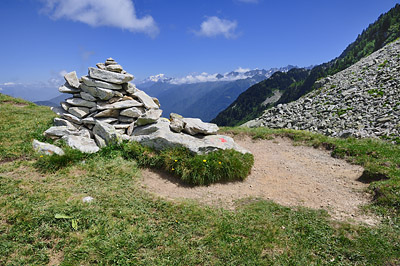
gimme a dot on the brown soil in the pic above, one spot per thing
(286, 174)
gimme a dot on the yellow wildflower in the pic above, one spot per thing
(219, 162)
(176, 160)
(204, 161)
(172, 169)
(41, 156)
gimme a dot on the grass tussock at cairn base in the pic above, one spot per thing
(192, 169)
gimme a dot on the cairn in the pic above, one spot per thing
(105, 108)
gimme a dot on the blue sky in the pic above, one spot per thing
(42, 38)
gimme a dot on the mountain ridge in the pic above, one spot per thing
(384, 30)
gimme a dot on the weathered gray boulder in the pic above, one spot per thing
(84, 144)
(79, 111)
(80, 102)
(195, 126)
(109, 76)
(151, 116)
(72, 118)
(177, 123)
(72, 79)
(100, 84)
(159, 136)
(46, 148)
(145, 99)
(106, 132)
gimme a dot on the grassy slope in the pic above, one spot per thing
(125, 225)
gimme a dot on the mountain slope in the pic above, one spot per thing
(378, 34)
(360, 101)
(203, 99)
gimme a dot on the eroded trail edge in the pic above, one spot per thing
(286, 174)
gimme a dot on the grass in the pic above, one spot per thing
(125, 225)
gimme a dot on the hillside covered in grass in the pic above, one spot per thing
(45, 221)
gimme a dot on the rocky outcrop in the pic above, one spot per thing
(360, 101)
(105, 109)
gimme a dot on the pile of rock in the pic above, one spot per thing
(360, 101)
(105, 108)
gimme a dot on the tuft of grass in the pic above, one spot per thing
(217, 166)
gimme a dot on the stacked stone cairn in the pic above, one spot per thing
(105, 108)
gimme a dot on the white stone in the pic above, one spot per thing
(109, 76)
(100, 84)
(46, 148)
(66, 88)
(151, 116)
(119, 105)
(132, 112)
(145, 99)
(72, 79)
(79, 111)
(195, 126)
(83, 144)
(80, 102)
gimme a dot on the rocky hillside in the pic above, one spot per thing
(361, 101)
(383, 31)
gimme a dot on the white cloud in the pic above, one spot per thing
(114, 13)
(62, 73)
(214, 26)
(242, 70)
(1, 89)
(9, 84)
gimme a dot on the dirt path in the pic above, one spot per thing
(286, 174)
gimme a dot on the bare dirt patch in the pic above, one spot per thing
(286, 174)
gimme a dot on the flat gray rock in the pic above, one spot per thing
(63, 122)
(83, 144)
(65, 106)
(79, 111)
(102, 94)
(46, 148)
(109, 76)
(119, 105)
(80, 102)
(132, 112)
(100, 84)
(57, 132)
(195, 126)
(106, 132)
(72, 118)
(151, 116)
(145, 99)
(66, 88)
(159, 137)
(114, 68)
(108, 113)
(87, 96)
(72, 79)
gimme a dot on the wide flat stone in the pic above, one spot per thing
(119, 105)
(83, 144)
(63, 122)
(145, 99)
(159, 137)
(80, 102)
(132, 112)
(102, 94)
(66, 88)
(79, 111)
(108, 113)
(100, 84)
(195, 126)
(151, 116)
(109, 76)
(72, 118)
(72, 79)
(46, 148)
(114, 68)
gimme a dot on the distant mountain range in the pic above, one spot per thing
(203, 95)
(295, 83)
